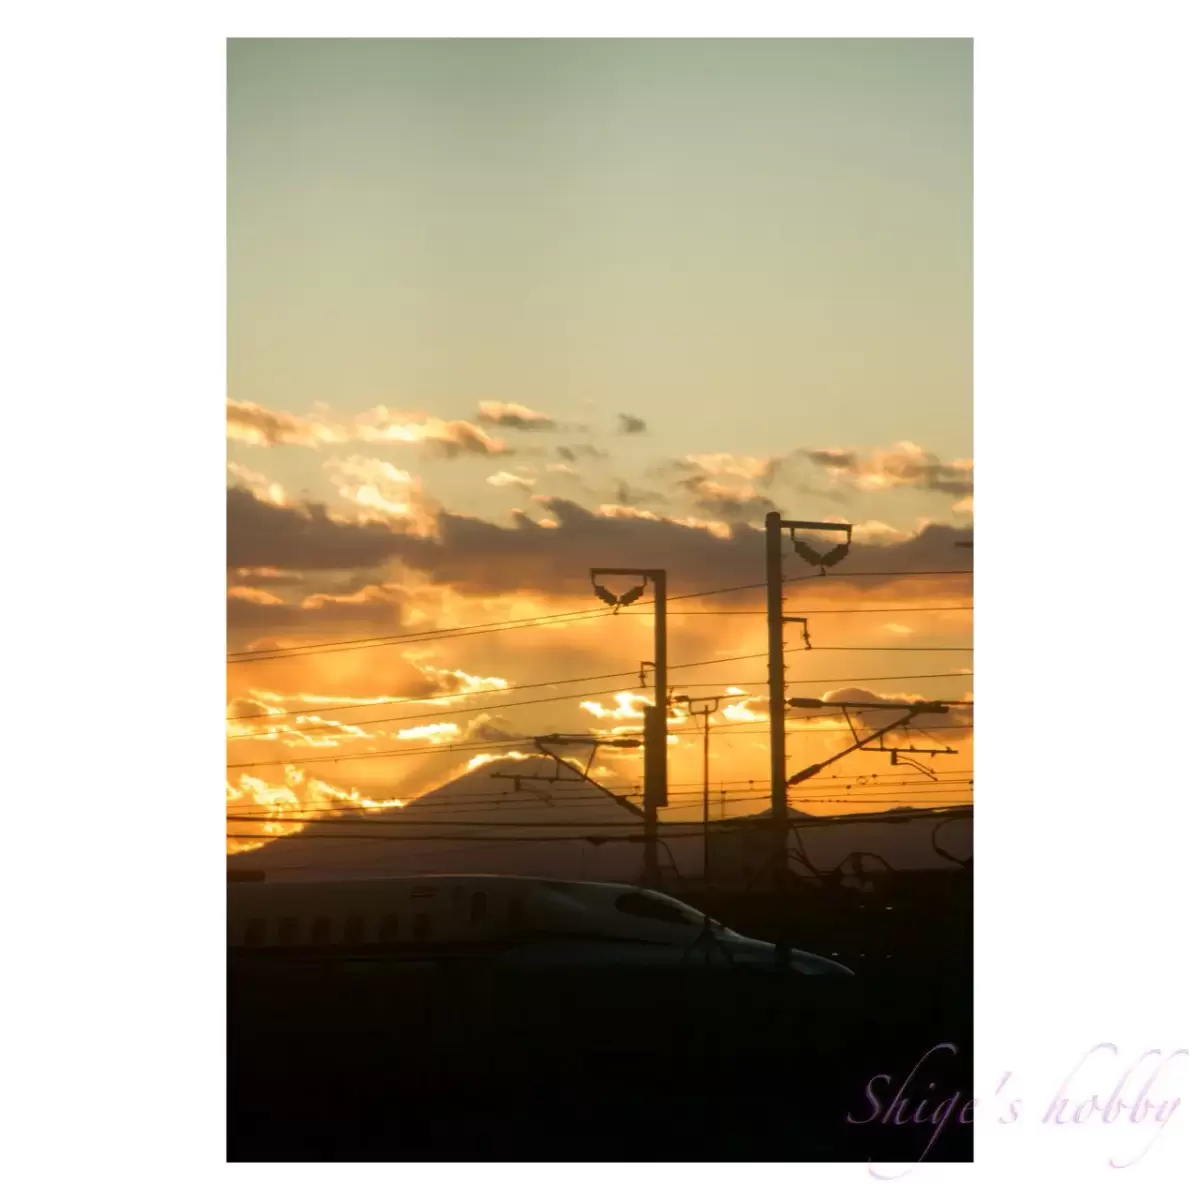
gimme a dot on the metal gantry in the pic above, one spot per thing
(916, 708)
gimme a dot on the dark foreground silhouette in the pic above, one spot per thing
(339, 1054)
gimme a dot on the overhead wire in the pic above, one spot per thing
(480, 746)
(631, 836)
(586, 679)
(437, 699)
(270, 732)
(418, 636)
(443, 851)
(368, 818)
(495, 800)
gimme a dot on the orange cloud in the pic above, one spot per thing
(449, 437)
(904, 464)
(283, 809)
(508, 479)
(741, 710)
(258, 426)
(436, 734)
(371, 594)
(254, 595)
(514, 416)
(380, 487)
(258, 484)
(453, 679)
(740, 466)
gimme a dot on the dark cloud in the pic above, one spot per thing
(952, 481)
(627, 494)
(831, 458)
(630, 424)
(478, 557)
(902, 465)
(725, 486)
(576, 452)
(732, 503)
(248, 617)
(302, 538)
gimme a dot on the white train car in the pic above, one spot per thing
(521, 920)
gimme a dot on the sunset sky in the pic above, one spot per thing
(503, 311)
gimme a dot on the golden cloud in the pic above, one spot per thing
(514, 416)
(258, 426)
(904, 464)
(740, 466)
(381, 488)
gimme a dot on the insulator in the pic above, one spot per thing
(807, 553)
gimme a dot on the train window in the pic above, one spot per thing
(320, 931)
(256, 931)
(637, 904)
(289, 931)
(478, 907)
(389, 928)
(354, 931)
(421, 927)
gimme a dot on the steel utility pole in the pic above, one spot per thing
(704, 706)
(777, 702)
(655, 734)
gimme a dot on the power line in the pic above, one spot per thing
(831, 822)
(895, 649)
(405, 639)
(243, 656)
(690, 788)
(477, 708)
(473, 818)
(760, 727)
(708, 662)
(809, 612)
(735, 791)
(665, 832)
(632, 824)
(296, 712)
(481, 746)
